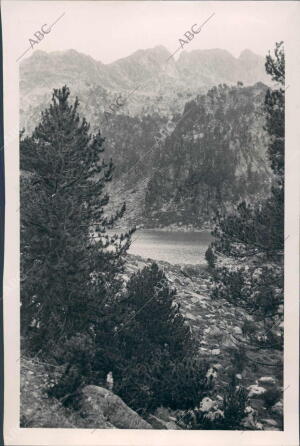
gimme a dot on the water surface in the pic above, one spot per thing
(171, 246)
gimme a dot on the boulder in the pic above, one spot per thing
(228, 342)
(250, 422)
(190, 316)
(98, 404)
(237, 330)
(215, 331)
(270, 422)
(207, 404)
(267, 381)
(255, 391)
(165, 414)
(217, 366)
(158, 423)
(215, 351)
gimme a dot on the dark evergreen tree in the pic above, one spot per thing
(253, 234)
(158, 365)
(253, 229)
(153, 320)
(69, 263)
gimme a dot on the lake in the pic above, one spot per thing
(171, 246)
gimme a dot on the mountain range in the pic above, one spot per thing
(152, 73)
(228, 160)
(201, 68)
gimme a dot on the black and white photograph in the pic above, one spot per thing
(152, 223)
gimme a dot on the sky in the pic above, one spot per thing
(110, 30)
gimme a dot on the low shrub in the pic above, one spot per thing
(225, 413)
(210, 257)
(77, 353)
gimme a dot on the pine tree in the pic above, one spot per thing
(157, 362)
(253, 234)
(153, 320)
(253, 229)
(69, 263)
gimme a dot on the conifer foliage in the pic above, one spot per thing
(158, 364)
(252, 235)
(153, 313)
(69, 264)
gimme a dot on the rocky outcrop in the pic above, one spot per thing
(99, 404)
(99, 408)
(36, 409)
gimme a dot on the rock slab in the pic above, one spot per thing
(98, 403)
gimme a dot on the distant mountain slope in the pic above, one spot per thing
(161, 84)
(213, 67)
(214, 155)
(203, 67)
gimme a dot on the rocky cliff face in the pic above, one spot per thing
(215, 157)
(98, 408)
(213, 149)
(209, 158)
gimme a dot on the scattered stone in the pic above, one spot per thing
(255, 390)
(178, 281)
(214, 414)
(217, 366)
(207, 404)
(215, 351)
(156, 423)
(215, 331)
(250, 421)
(163, 413)
(191, 316)
(270, 422)
(267, 380)
(228, 342)
(171, 425)
(237, 330)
